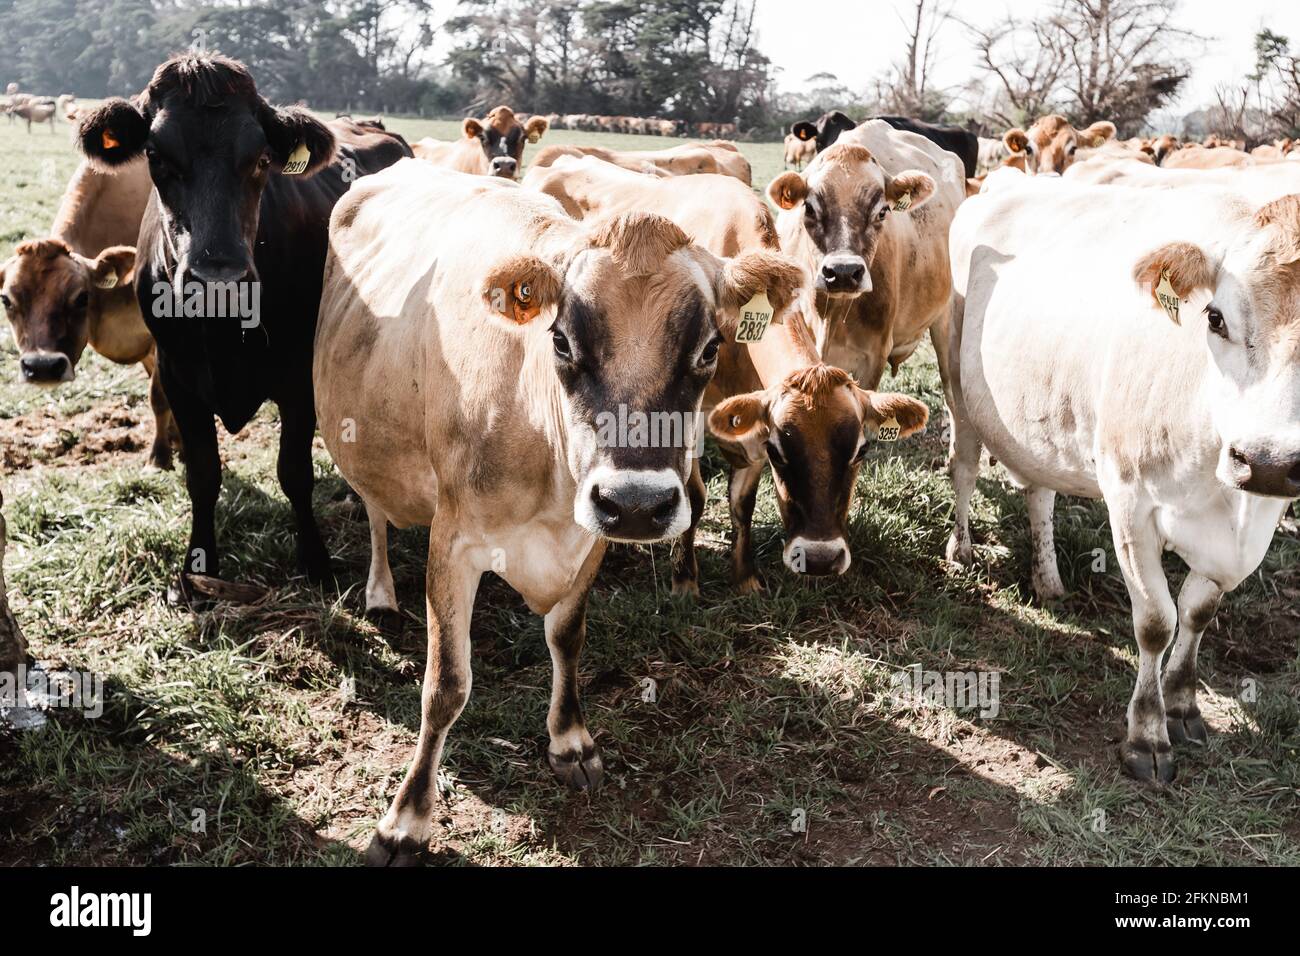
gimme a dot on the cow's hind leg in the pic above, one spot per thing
(402, 836)
(293, 467)
(572, 753)
(964, 470)
(381, 596)
(1197, 602)
(1045, 575)
(686, 568)
(742, 492)
(1145, 753)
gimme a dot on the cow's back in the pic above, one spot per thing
(101, 209)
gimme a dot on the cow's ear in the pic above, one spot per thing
(1015, 140)
(909, 190)
(804, 130)
(302, 144)
(535, 128)
(788, 190)
(744, 277)
(113, 134)
(1097, 133)
(472, 128)
(1180, 267)
(114, 266)
(741, 426)
(881, 407)
(520, 288)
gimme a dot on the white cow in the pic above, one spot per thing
(1260, 184)
(1067, 367)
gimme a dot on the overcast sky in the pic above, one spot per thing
(857, 39)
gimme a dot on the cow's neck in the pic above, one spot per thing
(785, 347)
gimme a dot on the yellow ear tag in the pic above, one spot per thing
(754, 319)
(107, 282)
(904, 203)
(888, 430)
(1166, 295)
(534, 137)
(298, 161)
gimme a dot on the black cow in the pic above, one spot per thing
(963, 143)
(229, 264)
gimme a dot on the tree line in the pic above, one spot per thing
(697, 60)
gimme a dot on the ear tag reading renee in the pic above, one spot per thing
(754, 319)
(904, 203)
(298, 161)
(1166, 295)
(107, 282)
(888, 430)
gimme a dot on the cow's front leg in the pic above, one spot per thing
(1197, 602)
(686, 569)
(742, 491)
(1145, 752)
(198, 430)
(160, 453)
(402, 837)
(1045, 576)
(572, 754)
(293, 467)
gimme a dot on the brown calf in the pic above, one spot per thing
(492, 146)
(1050, 145)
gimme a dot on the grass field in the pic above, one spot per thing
(768, 712)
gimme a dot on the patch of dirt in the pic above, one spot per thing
(113, 428)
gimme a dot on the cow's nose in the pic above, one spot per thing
(843, 273)
(804, 556)
(635, 510)
(219, 268)
(504, 166)
(1265, 471)
(41, 368)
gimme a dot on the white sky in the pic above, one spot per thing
(858, 39)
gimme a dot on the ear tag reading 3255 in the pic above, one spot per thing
(904, 203)
(298, 161)
(1166, 295)
(755, 317)
(888, 430)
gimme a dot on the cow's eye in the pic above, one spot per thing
(880, 216)
(710, 353)
(263, 161)
(1217, 325)
(561, 344)
(6, 302)
(860, 454)
(80, 301)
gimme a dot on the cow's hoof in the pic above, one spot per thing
(1187, 727)
(387, 619)
(958, 550)
(316, 565)
(1048, 588)
(1153, 766)
(578, 771)
(686, 587)
(160, 460)
(385, 851)
(181, 594)
(749, 585)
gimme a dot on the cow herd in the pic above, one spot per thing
(472, 344)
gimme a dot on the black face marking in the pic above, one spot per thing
(818, 483)
(840, 223)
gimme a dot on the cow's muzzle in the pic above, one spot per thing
(843, 274)
(504, 166)
(45, 368)
(1262, 471)
(629, 505)
(804, 556)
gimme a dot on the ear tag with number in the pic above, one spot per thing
(534, 138)
(107, 282)
(755, 317)
(904, 203)
(1166, 295)
(889, 430)
(298, 161)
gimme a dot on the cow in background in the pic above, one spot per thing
(1051, 144)
(493, 146)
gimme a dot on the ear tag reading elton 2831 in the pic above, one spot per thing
(298, 161)
(755, 317)
(1166, 295)
(889, 430)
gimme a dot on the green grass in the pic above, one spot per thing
(768, 710)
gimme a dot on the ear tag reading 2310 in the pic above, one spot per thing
(298, 161)
(888, 430)
(1166, 295)
(754, 319)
